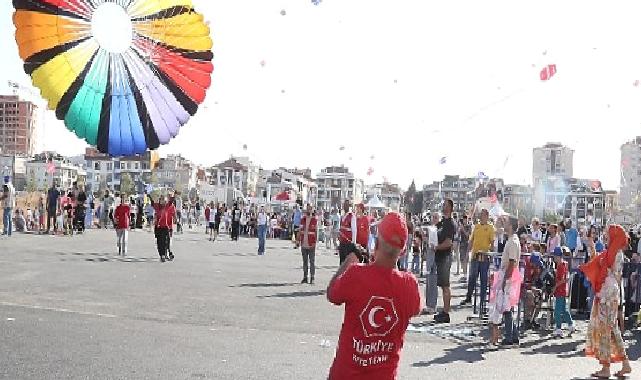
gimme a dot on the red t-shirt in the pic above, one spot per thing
(170, 209)
(362, 230)
(121, 215)
(561, 275)
(379, 303)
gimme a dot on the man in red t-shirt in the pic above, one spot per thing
(170, 209)
(561, 313)
(379, 302)
(121, 220)
(161, 226)
(362, 226)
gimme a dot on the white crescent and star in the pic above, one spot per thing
(372, 315)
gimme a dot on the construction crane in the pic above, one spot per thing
(17, 88)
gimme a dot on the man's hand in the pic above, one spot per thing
(351, 259)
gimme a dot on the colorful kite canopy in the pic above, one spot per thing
(125, 101)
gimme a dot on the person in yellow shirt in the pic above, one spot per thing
(481, 243)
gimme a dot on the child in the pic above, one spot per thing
(533, 292)
(60, 222)
(561, 313)
(121, 220)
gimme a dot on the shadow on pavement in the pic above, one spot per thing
(468, 353)
(314, 293)
(264, 285)
(564, 350)
(104, 257)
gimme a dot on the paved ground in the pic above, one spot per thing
(71, 309)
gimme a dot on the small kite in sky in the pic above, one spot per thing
(548, 72)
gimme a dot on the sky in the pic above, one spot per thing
(400, 84)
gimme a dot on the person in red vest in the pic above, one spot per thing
(379, 303)
(363, 223)
(347, 232)
(307, 242)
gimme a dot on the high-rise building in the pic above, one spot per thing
(552, 160)
(18, 122)
(630, 194)
(552, 164)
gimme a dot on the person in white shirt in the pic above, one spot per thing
(537, 235)
(501, 308)
(261, 222)
(212, 221)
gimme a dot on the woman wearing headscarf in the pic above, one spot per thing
(604, 272)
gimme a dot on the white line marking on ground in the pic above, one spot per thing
(60, 310)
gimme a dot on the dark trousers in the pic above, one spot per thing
(235, 227)
(162, 240)
(309, 261)
(344, 249)
(478, 268)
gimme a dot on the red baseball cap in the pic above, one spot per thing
(393, 230)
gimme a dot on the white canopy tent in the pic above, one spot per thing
(375, 203)
(493, 207)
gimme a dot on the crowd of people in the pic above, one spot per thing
(513, 270)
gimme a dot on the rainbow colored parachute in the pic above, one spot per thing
(123, 102)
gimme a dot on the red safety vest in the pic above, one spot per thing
(311, 233)
(362, 231)
(345, 234)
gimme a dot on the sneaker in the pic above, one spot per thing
(428, 311)
(304, 281)
(506, 343)
(558, 333)
(442, 317)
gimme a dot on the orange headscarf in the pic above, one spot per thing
(596, 270)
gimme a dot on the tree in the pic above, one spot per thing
(410, 198)
(32, 185)
(418, 203)
(126, 184)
